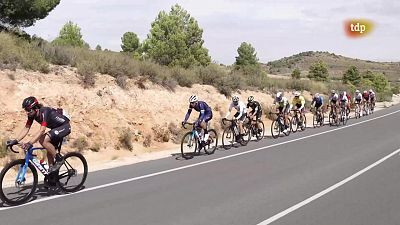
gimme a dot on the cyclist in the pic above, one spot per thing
(372, 98)
(317, 102)
(255, 113)
(204, 117)
(48, 118)
(358, 98)
(283, 106)
(299, 102)
(344, 101)
(333, 101)
(241, 112)
(366, 99)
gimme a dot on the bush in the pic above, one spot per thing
(87, 70)
(125, 139)
(147, 141)
(121, 82)
(95, 147)
(296, 74)
(80, 143)
(3, 148)
(161, 134)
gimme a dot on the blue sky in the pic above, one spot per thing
(275, 28)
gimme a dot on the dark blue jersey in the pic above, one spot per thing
(201, 107)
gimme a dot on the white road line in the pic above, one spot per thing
(196, 164)
(326, 191)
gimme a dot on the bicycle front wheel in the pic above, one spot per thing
(188, 145)
(72, 174)
(16, 191)
(275, 129)
(228, 138)
(212, 142)
(260, 135)
(294, 124)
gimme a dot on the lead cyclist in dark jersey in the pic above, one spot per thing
(48, 118)
(255, 113)
(204, 117)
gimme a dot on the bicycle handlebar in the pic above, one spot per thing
(11, 148)
(183, 125)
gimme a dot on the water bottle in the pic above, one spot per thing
(44, 164)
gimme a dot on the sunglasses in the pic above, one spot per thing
(29, 110)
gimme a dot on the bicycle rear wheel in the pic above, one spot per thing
(72, 174)
(228, 138)
(304, 123)
(188, 145)
(212, 142)
(15, 192)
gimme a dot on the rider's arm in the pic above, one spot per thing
(188, 114)
(38, 135)
(229, 110)
(303, 102)
(25, 130)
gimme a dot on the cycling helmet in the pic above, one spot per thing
(296, 94)
(235, 99)
(333, 91)
(357, 91)
(250, 99)
(370, 90)
(316, 95)
(279, 96)
(193, 98)
(30, 103)
(365, 92)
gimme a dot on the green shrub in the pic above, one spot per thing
(87, 70)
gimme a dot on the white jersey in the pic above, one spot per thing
(358, 96)
(240, 107)
(371, 95)
(334, 97)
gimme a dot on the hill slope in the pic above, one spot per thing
(337, 64)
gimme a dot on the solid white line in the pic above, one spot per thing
(326, 191)
(196, 164)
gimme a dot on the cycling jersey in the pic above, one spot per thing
(299, 101)
(372, 96)
(344, 98)
(366, 96)
(283, 102)
(333, 98)
(318, 101)
(255, 106)
(240, 108)
(48, 117)
(358, 96)
(203, 108)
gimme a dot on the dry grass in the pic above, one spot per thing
(80, 143)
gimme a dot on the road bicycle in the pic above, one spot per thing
(297, 122)
(230, 136)
(191, 143)
(252, 126)
(318, 117)
(333, 117)
(19, 178)
(343, 114)
(279, 126)
(357, 110)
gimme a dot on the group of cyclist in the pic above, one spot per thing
(253, 109)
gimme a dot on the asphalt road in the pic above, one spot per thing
(346, 175)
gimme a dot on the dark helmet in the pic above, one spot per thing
(30, 103)
(250, 99)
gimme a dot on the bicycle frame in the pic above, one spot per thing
(30, 157)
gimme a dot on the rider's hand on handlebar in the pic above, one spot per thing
(27, 146)
(11, 142)
(183, 123)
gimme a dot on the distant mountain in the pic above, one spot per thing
(337, 65)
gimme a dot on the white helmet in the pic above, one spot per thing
(296, 94)
(279, 96)
(370, 90)
(316, 95)
(235, 99)
(193, 98)
(357, 91)
(333, 91)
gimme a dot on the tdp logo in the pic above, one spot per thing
(357, 27)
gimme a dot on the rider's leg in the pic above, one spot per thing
(51, 150)
(203, 125)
